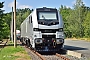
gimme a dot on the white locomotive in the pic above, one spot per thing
(43, 30)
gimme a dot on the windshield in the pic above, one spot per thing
(47, 15)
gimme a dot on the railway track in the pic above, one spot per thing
(2, 44)
(50, 57)
(64, 58)
(55, 56)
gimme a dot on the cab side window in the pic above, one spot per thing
(30, 19)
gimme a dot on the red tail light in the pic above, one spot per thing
(43, 40)
(53, 40)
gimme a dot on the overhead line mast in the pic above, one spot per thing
(15, 42)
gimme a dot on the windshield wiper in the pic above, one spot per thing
(43, 17)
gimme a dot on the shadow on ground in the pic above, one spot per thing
(12, 44)
(74, 48)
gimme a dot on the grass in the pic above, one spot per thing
(11, 53)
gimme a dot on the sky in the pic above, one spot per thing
(32, 4)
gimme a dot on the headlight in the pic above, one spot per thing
(61, 35)
(35, 29)
(59, 41)
(35, 35)
(60, 29)
(38, 41)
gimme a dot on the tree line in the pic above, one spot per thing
(4, 28)
(76, 20)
